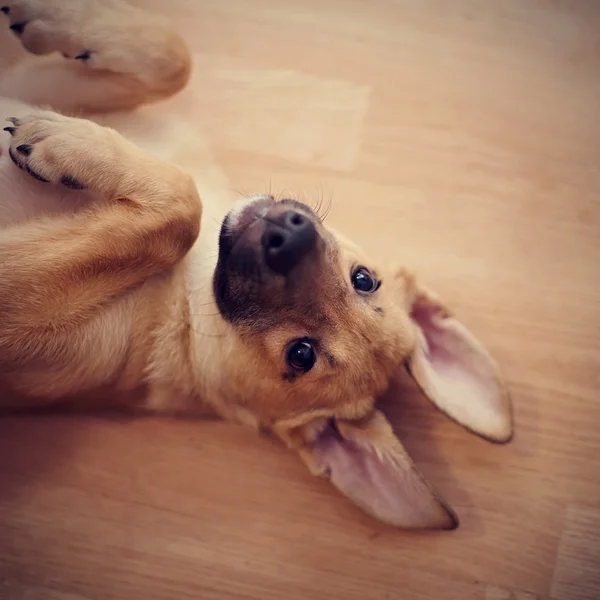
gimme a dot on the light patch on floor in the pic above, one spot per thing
(304, 119)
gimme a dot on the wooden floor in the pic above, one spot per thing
(460, 137)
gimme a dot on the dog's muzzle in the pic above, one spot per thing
(286, 240)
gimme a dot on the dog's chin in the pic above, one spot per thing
(239, 255)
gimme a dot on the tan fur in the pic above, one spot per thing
(106, 292)
(110, 318)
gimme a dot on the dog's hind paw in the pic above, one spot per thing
(110, 36)
(49, 26)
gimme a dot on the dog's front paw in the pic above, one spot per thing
(46, 26)
(49, 147)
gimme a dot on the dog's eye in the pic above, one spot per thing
(301, 355)
(363, 281)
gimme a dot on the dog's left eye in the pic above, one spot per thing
(301, 355)
(363, 281)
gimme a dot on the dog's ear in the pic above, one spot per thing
(454, 370)
(368, 464)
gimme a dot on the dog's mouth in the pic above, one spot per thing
(239, 219)
(262, 243)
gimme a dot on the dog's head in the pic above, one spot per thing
(318, 331)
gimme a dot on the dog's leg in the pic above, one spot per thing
(115, 56)
(58, 271)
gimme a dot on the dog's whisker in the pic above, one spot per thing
(322, 212)
(206, 334)
(240, 193)
(317, 208)
(328, 209)
(320, 192)
(212, 303)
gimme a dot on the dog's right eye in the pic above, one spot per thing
(301, 355)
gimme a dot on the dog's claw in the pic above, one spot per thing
(25, 149)
(35, 175)
(72, 183)
(10, 130)
(18, 28)
(4, 9)
(14, 158)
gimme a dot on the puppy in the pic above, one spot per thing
(105, 276)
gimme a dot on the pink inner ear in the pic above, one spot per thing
(458, 375)
(381, 479)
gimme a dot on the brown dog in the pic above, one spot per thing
(104, 273)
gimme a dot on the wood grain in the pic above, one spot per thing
(460, 138)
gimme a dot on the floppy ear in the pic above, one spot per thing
(367, 463)
(456, 373)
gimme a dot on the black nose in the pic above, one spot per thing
(286, 240)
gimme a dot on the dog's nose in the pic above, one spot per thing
(286, 240)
